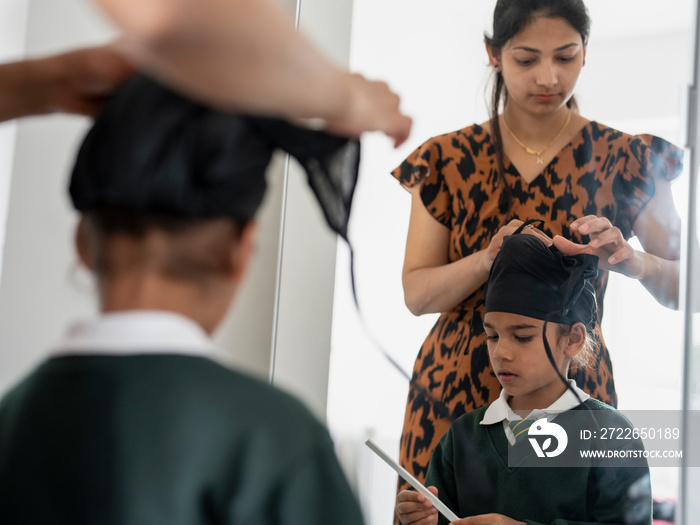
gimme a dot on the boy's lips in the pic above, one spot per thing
(506, 375)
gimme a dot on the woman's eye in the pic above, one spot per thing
(565, 59)
(523, 339)
(491, 337)
(524, 62)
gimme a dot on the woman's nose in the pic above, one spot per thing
(547, 75)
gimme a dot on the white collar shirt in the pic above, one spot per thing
(500, 411)
(138, 332)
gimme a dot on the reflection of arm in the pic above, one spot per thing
(431, 283)
(246, 55)
(658, 228)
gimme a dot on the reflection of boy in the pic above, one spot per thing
(482, 482)
(484, 470)
(135, 418)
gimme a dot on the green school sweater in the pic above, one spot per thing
(470, 469)
(163, 439)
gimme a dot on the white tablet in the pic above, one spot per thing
(439, 505)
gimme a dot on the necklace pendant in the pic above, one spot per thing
(539, 160)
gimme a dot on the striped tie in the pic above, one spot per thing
(520, 428)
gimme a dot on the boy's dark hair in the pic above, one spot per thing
(196, 249)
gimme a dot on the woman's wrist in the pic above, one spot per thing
(643, 267)
(485, 262)
(24, 89)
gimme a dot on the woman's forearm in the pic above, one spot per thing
(76, 81)
(442, 288)
(239, 53)
(246, 55)
(661, 278)
(23, 91)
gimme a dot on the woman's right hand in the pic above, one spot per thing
(413, 508)
(509, 229)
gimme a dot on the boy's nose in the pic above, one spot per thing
(502, 352)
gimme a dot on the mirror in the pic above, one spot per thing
(639, 62)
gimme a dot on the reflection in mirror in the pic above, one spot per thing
(638, 65)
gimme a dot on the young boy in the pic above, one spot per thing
(540, 314)
(136, 418)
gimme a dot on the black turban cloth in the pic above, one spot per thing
(531, 279)
(153, 151)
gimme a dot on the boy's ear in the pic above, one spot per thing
(575, 340)
(242, 251)
(81, 244)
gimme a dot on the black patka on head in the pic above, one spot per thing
(153, 151)
(531, 279)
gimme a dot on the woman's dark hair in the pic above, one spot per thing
(509, 18)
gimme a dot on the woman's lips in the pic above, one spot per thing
(545, 98)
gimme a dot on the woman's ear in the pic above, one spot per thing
(82, 244)
(575, 340)
(494, 58)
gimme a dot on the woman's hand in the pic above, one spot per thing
(72, 82)
(509, 229)
(431, 282)
(372, 106)
(607, 243)
(488, 519)
(413, 508)
(84, 78)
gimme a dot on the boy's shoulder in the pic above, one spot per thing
(604, 414)
(176, 383)
(471, 421)
(594, 404)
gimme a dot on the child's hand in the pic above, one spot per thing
(488, 519)
(413, 508)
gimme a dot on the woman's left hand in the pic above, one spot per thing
(488, 519)
(606, 241)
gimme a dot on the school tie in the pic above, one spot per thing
(520, 428)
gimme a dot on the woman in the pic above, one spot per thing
(536, 158)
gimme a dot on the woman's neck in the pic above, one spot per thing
(535, 130)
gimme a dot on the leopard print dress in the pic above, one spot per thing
(601, 172)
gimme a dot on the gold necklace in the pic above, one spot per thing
(532, 151)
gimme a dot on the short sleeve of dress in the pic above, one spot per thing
(424, 165)
(645, 160)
